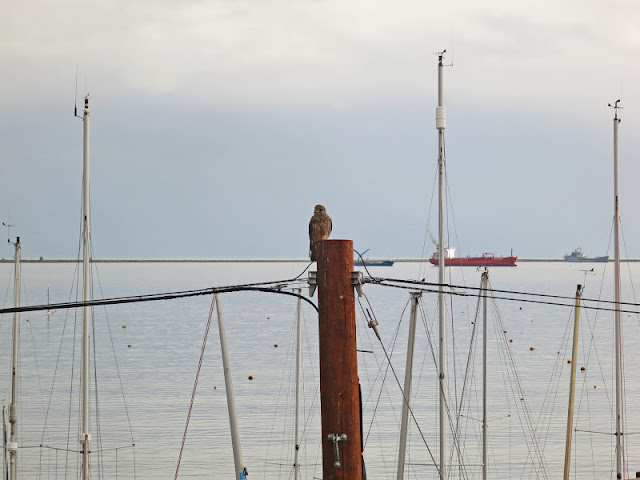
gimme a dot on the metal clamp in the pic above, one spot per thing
(357, 280)
(335, 438)
(313, 283)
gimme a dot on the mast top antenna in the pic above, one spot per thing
(616, 107)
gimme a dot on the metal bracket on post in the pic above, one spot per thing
(357, 280)
(313, 283)
(335, 438)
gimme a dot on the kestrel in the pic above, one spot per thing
(319, 228)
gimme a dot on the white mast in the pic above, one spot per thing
(296, 459)
(572, 385)
(12, 446)
(618, 333)
(85, 436)
(485, 285)
(408, 377)
(240, 471)
(442, 346)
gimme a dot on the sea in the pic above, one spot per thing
(147, 360)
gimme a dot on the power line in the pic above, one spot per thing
(275, 287)
(414, 285)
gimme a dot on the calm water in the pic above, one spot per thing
(157, 356)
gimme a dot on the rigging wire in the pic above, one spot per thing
(368, 315)
(427, 232)
(592, 348)
(286, 369)
(195, 383)
(531, 442)
(406, 400)
(411, 285)
(115, 358)
(624, 399)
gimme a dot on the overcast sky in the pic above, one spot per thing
(216, 126)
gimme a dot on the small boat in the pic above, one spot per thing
(579, 256)
(373, 263)
(486, 260)
(360, 261)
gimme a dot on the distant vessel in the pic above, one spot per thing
(579, 256)
(486, 260)
(373, 263)
(360, 261)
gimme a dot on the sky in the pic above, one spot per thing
(217, 125)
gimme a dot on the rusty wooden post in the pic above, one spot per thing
(339, 394)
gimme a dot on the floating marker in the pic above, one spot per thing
(582, 368)
(129, 346)
(250, 377)
(532, 348)
(275, 345)
(124, 326)
(568, 361)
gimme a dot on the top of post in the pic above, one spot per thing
(616, 107)
(440, 57)
(86, 105)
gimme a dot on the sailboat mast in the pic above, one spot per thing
(485, 285)
(408, 377)
(618, 333)
(442, 346)
(239, 470)
(85, 436)
(13, 406)
(572, 384)
(296, 459)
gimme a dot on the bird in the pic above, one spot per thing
(319, 228)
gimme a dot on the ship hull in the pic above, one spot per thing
(373, 263)
(570, 258)
(477, 261)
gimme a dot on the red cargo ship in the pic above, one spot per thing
(486, 260)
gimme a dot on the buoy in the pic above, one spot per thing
(250, 377)
(532, 348)
(129, 346)
(522, 399)
(215, 388)
(581, 368)
(275, 345)
(124, 326)
(568, 361)
(595, 386)
(511, 340)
